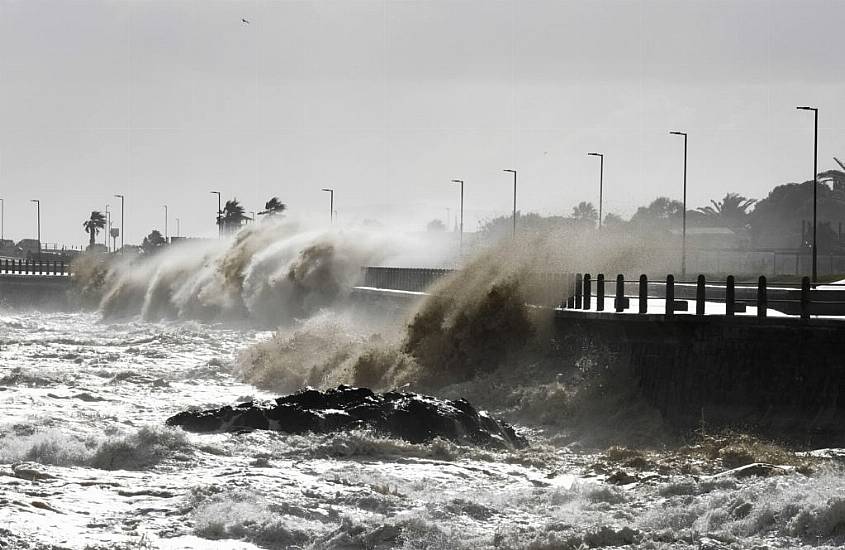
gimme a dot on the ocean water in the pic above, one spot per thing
(86, 462)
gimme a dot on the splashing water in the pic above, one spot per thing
(86, 462)
(270, 273)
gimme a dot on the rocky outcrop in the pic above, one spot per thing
(410, 416)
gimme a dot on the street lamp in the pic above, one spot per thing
(108, 227)
(684, 230)
(219, 214)
(165, 223)
(38, 218)
(514, 200)
(462, 215)
(331, 203)
(601, 180)
(815, 180)
(122, 225)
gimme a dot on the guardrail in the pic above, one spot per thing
(409, 279)
(34, 267)
(549, 289)
(801, 299)
(578, 291)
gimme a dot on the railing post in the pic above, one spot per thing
(620, 293)
(730, 297)
(762, 298)
(579, 291)
(670, 295)
(600, 292)
(700, 295)
(643, 294)
(588, 291)
(805, 298)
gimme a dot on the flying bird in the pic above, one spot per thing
(244, 21)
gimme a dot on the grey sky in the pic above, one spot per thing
(386, 101)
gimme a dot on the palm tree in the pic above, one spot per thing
(731, 211)
(272, 207)
(93, 225)
(233, 215)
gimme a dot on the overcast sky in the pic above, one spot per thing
(387, 101)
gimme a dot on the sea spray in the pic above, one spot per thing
(269, 273)
(475, 335)
(473, 321)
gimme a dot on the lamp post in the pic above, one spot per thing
(601, 180)
(178, 227)
(108, 232)
(122, 225)
(331, 203)
(2, 218)
(38, 219)
(165, 222)
(219, 215)
(514, 200)
(108, 227)
(462, 216)
(684, 229)
(815, 181)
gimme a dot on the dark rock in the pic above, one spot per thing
(410, 416)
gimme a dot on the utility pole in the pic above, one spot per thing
(165, 223)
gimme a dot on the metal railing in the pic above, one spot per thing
(547, 289)
(409, 279)
(34, 267)
(801, 299)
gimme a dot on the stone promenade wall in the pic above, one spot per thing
(46, 292)
(780, 376)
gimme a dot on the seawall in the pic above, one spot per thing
(41, 291)
(779, 376)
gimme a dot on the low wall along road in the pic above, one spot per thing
(709, 354)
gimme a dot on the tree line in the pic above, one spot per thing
(231, 218)
(781, 220)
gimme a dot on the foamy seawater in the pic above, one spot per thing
(86, 462)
